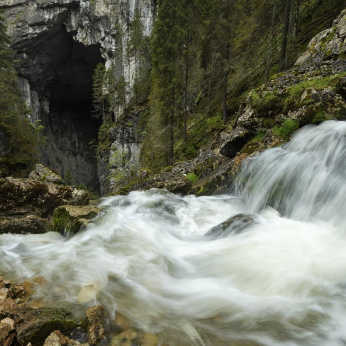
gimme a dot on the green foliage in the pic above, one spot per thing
(192, 177)
(93, 195)
(24, 136)
(321, 116)
(287, 129)
(206, 55)
(68, 177)
(199, 133)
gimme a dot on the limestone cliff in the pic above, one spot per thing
(59, 43)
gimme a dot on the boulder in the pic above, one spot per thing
(7, 332)
(24, 224)
(28, 196)
(173, 182)
(234, 225)
(25, 204)
(71, 219)
(46, 175)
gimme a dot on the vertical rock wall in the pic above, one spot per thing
(59, 44)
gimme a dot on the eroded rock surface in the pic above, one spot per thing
(71, 219)
(27, 204)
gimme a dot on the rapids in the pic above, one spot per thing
(281, 280)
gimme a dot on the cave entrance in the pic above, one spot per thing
(66, 110)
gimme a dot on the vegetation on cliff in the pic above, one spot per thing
(20, 138)
(203, 60)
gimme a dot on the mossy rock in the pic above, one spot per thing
(35, 325)
(71, 219)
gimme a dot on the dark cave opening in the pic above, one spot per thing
(64, 85)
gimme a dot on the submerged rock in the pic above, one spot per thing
(234, 225)
(71, 219)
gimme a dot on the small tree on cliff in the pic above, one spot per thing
(24, 137)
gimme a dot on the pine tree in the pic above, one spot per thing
(166, 52)
(99, 97)
(24, 136)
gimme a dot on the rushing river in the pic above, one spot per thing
(277, 279)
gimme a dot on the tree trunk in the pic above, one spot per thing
(171, 131)
(186, 84)
(224, 96)
(285, 31)
(270, 52)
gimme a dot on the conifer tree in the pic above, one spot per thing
(24, 136)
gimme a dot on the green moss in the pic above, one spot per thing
(200, 191)
(200, 130)
(253, 145)
(321, 116)
(49, 321)
(287, 129)
(63, 221)
(265, 103)
(192, 177)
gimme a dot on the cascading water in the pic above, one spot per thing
(274, 280)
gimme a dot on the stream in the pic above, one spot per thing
(275, 275)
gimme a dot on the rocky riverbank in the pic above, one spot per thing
(27, 204)
(313, 91)
(23, 322)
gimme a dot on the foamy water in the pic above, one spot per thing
(281, 280)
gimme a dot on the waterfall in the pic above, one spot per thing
(277, 279)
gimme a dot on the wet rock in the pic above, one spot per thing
(8, 322)
(35, 325)
(7, 332)
(233, 141)
(150, 340)
(56, 339)
(25, 204)
(53, 340)
(234, 225)
(45, 174)
(96, 318)
(79, 197)
(73, 218)
(24, 224)
(121, 323)
(28, 196)
(173, 182)
(126, 338)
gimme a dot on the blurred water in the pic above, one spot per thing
(281, 280)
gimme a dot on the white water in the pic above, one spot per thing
(280, 281)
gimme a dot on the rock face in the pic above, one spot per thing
(120, 162)
(26, 204)
(45, 175)
(60, 42)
